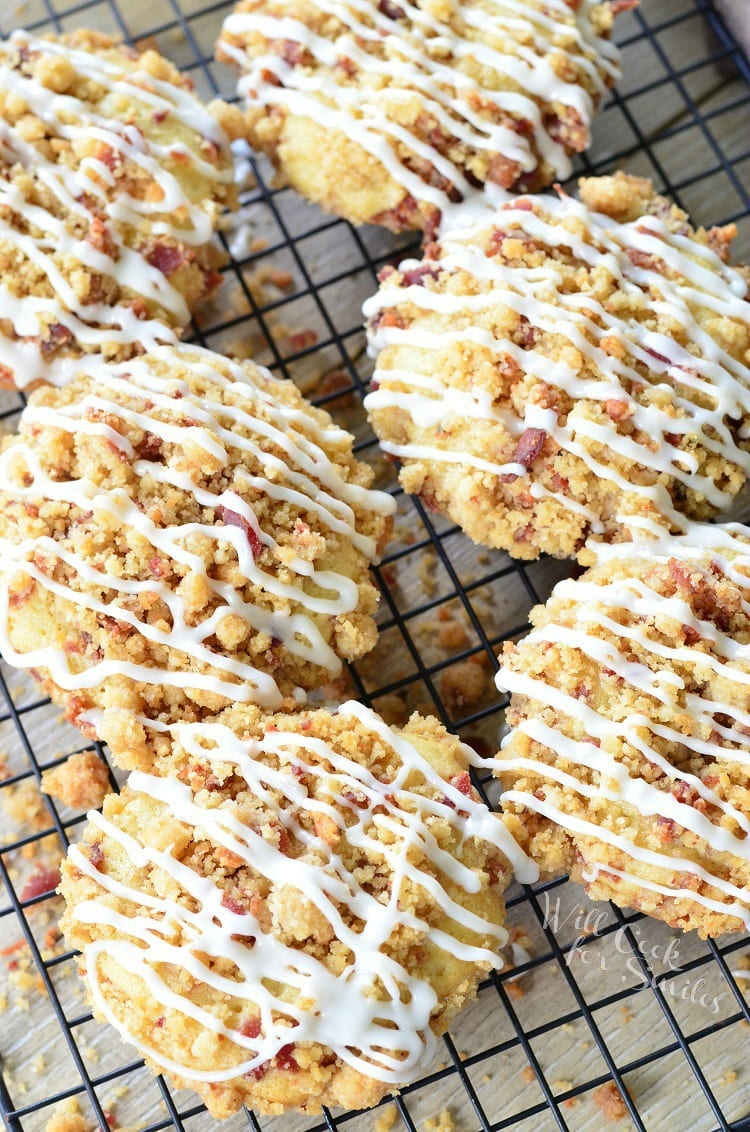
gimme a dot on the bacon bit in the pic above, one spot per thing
(462, 783)
(416, 276)
(391, 10)
(617, 6)
(305, 725)
(100, 237)
(387, 318)
(673, 438)
(269, 77)
(13, 947)
(56, 336)
(643, 259)
(581, 692)
(525, 204)
(179, 157)
(160, 115)
(665, 830)
(719, 240)
(303, 339)
(294, 53)
(404, 215)
(96, 854)
(285, 1060)
(691, 635)
(355, 798)
(168, 259)
(616, 409)
(110, 1118)
(42, 880)
(211, 150)
(297, 771)
(21, 593)
(232, 519)
(560, 483)
(526, 335)
(495, 242)
(502, 171)
(232, 905)
(326, 829)
(347, 65)
(529, 447)
(250, 1028)
(150, 447)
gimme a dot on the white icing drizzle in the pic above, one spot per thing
(168, 213)
(688, 714)
(306, 477)
(338, 1011)
(715, 387)
(413, 60)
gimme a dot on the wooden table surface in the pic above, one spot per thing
(560, 1039)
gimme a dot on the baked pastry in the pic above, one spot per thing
(179, 532)
(627, 761)
(561, 368)
(294, 918)
(388, 112)
(112, 175)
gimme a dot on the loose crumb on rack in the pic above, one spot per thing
(462, 685)
(67, 1117)
(610, 1100)
(528, 1074)
(442, 1123)
(386, 1119)
(24, 804)
(81, 782)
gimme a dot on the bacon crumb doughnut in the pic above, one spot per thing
(294, 917)
(388, 112)
(112, 176)
(627, 764)
(560, 368)
(179, 532)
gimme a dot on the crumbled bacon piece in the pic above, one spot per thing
(416, 276)
(391, 10)
(616, 409)
(462, 782)
(57, 335)
(96, 854)
(42, 880)
(250, 1028)
(161, 115)
(303, 339)
(167, 258)
(502, 171)
(529, 447)
(285, 1060)
(232, 519)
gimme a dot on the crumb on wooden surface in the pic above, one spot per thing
(610, 1101)
(386, 1119)
(67, 1117)
(81, 782)
(24, 804)
(462, 686)
(441, 1123)
(527, 1074)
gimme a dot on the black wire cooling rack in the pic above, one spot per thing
(604, 1015)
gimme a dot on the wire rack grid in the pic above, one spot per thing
(599, 1015)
